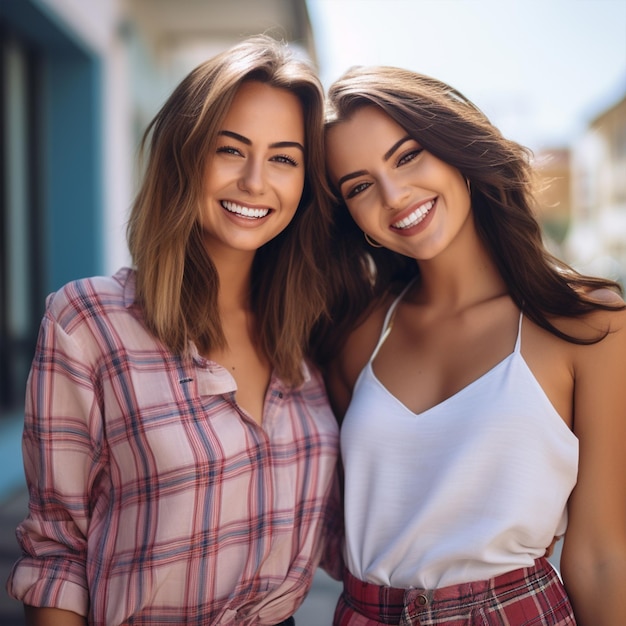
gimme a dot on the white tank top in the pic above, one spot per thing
(471, 488)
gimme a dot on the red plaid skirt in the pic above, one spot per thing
(532, 596)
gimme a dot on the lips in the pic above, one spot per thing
(415, 216)
(244, 211)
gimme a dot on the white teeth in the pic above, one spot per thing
(244, 211)
(416, 217)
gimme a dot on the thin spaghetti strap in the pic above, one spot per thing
(518, 341)
(388, 323)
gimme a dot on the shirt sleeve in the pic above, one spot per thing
(62, 448)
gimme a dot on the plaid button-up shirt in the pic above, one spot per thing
(155, 499)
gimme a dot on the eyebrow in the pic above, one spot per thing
(395, 146)
(277, 144)
(386, 157)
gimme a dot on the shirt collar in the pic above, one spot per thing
(127, 278)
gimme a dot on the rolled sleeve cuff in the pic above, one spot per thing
(53, 585)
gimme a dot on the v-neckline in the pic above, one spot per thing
(450, 398)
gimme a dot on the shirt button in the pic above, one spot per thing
(422, 600)
(280, 395)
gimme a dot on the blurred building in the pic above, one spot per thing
(80, 81)
(554, 201)
(596, 242)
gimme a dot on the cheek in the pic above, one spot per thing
(461, 197)
(366, 210)
(292, 189)
(455, 181)
(213, 179)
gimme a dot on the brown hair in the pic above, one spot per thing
(453, 129)
(177, 283)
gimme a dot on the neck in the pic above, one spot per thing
(460, 278)
(235, 271)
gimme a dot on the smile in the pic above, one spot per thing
(415, 217)
(244, 211)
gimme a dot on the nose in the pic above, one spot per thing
(252, 178)
(394, 193)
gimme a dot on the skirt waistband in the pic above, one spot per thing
(385, 604)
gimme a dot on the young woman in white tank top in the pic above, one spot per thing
(481, 382)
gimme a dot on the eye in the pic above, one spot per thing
(286, 159)
(356, 190)
(229, 150)
(407, 157)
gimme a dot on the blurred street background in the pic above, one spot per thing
(80, 80)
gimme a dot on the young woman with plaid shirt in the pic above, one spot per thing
(179, 447)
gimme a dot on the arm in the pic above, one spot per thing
(61, 453)
(52, 617)
(593, 562)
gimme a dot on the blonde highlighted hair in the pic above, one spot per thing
(177, 283)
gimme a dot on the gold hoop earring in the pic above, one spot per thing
(372, 242)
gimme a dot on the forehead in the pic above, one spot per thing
(260, 109)
(366, 135)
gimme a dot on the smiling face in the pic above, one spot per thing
(397, 192)
(255, 179)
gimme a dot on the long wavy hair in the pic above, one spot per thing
(501, 178)
(177, 283)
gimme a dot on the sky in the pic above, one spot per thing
(540, 69)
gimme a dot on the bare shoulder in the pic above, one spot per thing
(607, 324)
(611, 321)
(599, 322)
